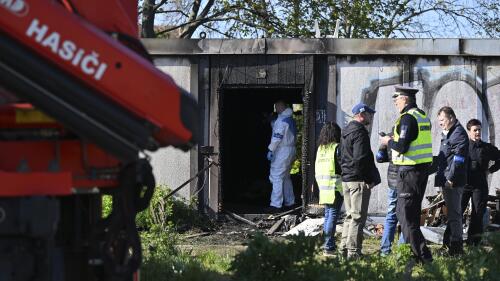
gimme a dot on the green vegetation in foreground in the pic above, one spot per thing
(294, 258)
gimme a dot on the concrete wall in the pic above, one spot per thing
(362, 80)
(450, 81)
(463, 74)
(171, 166)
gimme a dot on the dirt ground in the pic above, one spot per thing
(229, 237)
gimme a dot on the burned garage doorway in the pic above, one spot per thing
(245, 134)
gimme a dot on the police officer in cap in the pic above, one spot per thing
(411, 148)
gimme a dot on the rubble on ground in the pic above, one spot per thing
(293, 222)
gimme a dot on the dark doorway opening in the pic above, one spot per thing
(245, 134)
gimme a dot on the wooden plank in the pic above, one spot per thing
(224, 69)
(261, 69)
(286, 69)
(238, 71)
(290, 70)
(308, 144)
(204, 85)
(251, 75)
(331, 108)
(299, 70)
(275, 226)
(214, 184)
(308, 69)
(232, 69)
(272, 69)
(240, 218)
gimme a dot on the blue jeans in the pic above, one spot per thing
(391, 222)
(332, 213)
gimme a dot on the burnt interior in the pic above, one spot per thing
(245, 134)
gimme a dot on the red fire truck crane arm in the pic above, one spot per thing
(50, 35)
(79, 100)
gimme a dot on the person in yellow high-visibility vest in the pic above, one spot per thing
(327, 173)
(411, 151)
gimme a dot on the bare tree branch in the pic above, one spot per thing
(161, 3)
(360, 18)
(173, 12)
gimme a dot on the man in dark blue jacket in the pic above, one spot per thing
(452, 175)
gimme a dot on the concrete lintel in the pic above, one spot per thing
(429, 47)
(481, 47)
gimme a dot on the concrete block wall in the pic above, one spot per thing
(172, 166)
(451, 81)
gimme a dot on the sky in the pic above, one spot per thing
(442, 32)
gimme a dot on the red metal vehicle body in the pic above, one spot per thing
(79, 103)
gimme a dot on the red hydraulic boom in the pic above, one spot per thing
(80, 101)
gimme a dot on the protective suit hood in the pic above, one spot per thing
(286, 113)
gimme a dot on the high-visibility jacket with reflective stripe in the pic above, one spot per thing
(326, 176)
(420, 150)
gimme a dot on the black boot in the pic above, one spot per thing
(456, 248)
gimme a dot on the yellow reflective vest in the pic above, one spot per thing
(326, 177)
(420, 150)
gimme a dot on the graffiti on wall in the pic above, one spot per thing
(471, 89)
(431, 87)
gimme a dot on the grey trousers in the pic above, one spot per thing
(453, 200)
(356, 199)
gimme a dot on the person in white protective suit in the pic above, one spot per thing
(281, 154)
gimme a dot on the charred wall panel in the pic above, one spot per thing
(255, 71)
(272, 68)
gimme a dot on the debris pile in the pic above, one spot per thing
(433, 220)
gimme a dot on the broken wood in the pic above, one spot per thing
(284, 213)
(368, 233)
(290, 222)
(494, 225)
(430, 215)
(437, 204)
(275, 226)
(196, 235)
(240, 218)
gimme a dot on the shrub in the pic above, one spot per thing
(477, 264)
(165, 213)
(293, 259)
(267, 260)
(297, 260)
(162, 260)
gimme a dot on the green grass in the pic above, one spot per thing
(215, 262)
(290, 259)
(299, 258)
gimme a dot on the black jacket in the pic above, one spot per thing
(385, 155)
(453, 157)
(357, 160)
(480, 155)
